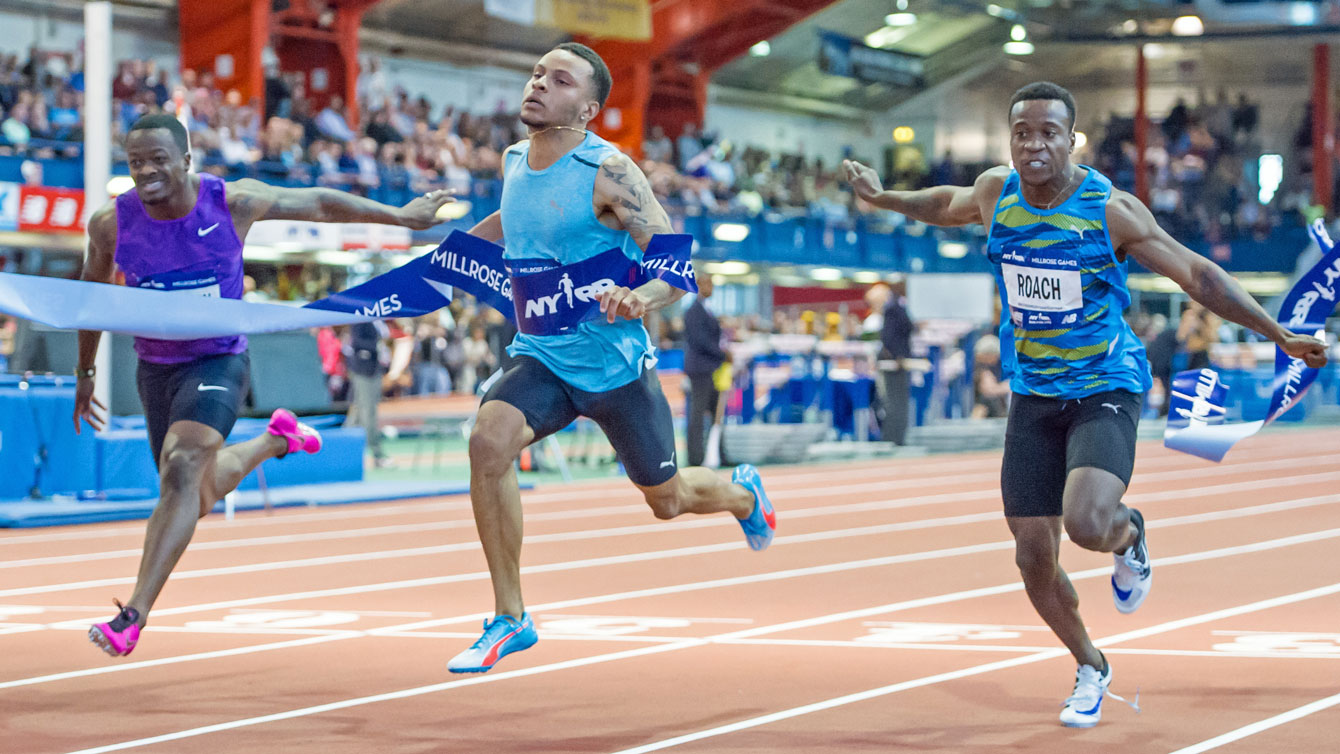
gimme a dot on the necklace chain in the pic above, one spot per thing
(1052, 203)
(559, 128)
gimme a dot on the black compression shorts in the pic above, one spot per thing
(1045, 438)
(635, 417)
(209, 390)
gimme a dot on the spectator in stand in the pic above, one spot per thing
(658, 147)
(688, 146)
(332, 122)
(991, 396)
(479, 358)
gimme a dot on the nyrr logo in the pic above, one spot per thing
(547, 305)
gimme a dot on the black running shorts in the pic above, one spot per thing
(635, 417)
(209, 390)
(1045, 438)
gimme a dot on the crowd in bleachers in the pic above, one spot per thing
(1201, 160)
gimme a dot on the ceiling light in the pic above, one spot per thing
(1302, 14)
(1019, 48)
(886, 36)
(761, 50)
(119, 184)
(826, 273)
(1187, 26)
(1080, 140)
(996, 10)
(900, 19)
(1018, 33)
(726, 268)
(1130, 26)
(1153, 51)
(866, 276)
(953, 249)
(904, 134)
(730, 232)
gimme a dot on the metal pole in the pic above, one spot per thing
(1322, 138)
(1141, 125)
(98, 146)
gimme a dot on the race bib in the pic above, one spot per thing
(1043, 293)
(198, 282)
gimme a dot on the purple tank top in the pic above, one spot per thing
(199, 254)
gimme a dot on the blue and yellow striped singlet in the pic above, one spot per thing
(1064, 291)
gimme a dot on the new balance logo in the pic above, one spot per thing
(1115, 408)
(202, 387)
(202, 232)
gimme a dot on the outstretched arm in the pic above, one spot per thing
(622, 190)
(938, 205)
(250, 200)
(99, 267)
(1135, 232)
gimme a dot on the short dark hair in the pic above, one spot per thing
(600, 73)
(163, 120)
(1046, 90)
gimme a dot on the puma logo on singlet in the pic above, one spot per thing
(202, 232)
(1115, 408)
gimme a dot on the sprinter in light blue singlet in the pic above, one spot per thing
(182, 233)
(1059, 239)
(569, 195)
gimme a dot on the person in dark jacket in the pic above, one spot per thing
(896, 335)
(702, 356)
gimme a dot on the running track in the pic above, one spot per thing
(887, 616)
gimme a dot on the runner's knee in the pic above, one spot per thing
(665, 504)
(182, 468)
(1034, 559)
(1088, 529)
(496, 439)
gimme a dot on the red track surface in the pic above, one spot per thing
(887, 616)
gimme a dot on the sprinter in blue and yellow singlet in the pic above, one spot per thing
(1059, 237)
(569, 195)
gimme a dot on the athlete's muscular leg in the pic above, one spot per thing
(499, 434)
(1036, 541)
(232, 464)
(1095, 517)
(698, 490)
(188, 454)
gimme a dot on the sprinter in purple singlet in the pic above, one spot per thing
(181, 233)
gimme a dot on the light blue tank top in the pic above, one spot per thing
(1063, 291)
(550, 215)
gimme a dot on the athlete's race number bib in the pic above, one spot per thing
(1042, 294)
(197, 282)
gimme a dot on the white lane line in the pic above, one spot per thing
(820, 511)
(1262, 725)
(455, 503)
(847, 699)
(536, 539)
(670, 553)
(703, 585)
(690, 643)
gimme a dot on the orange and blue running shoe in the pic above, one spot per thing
(502, 636)
(762, 521)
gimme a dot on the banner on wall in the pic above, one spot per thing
(42, 209)
(618, 19)
(843, 56)
(9, 205)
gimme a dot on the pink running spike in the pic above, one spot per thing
(300, 436)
